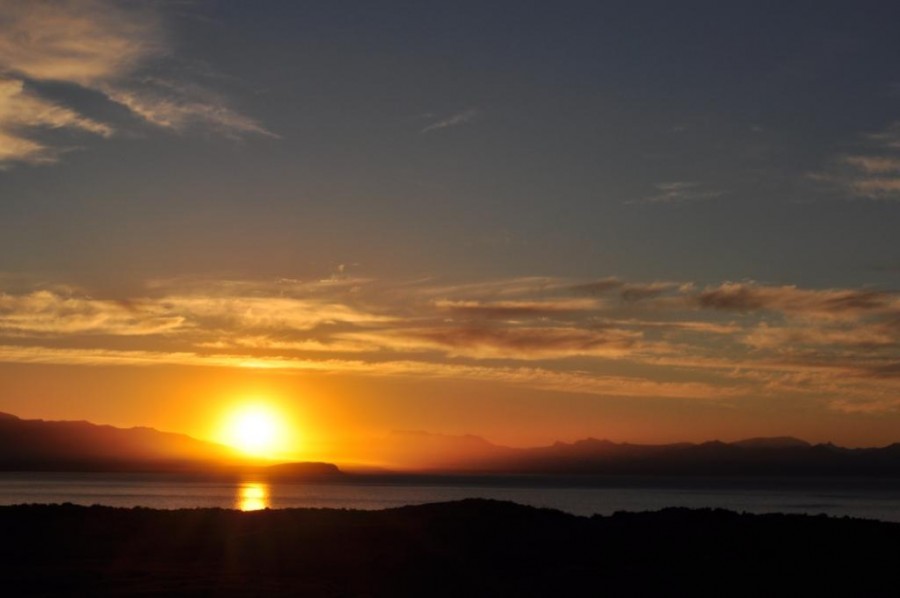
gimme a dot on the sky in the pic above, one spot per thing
(530, 221)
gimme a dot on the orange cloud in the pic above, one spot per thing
(578, 382)
(507, 343)
(736, 339)
(46, 312)
(831, 303)
(100, 45)
(516, 309)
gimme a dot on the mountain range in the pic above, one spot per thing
(38, 445)
(754, 456)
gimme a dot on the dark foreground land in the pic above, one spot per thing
(467, 548)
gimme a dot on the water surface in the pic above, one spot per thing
(875, 499)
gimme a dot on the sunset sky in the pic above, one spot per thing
(530, 221)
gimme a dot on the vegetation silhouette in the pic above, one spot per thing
(472, 547)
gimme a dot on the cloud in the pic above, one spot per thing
(889, 137)
(177, 107)
(76, 41)
(21, 110)
(629, 292)
(744, 339)
(874, 164)
(515, 309)
(49, 313)
(504, 288)
(101, 46)
(531, 377)
(679, 192)
(455, 120)
(14, 148)
(872, 175)
(829, 303)
(868, 405)
(859, 337)
(877, 188)
(265, 313)
(526, 343)
(677, 325)
(271, 343)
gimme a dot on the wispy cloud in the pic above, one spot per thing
(454, 120)
(790, 300)
(889, 137)
(577, 382)
(46, 312)
(520, 343)
(77, 41)
(874, 174)
(679, 192)
(795, 336)
(22, 110)
(626, 291)
(178, 107)
(730, 339)
(514, 309)
(875, 164)
(877, 188)
(98, 45)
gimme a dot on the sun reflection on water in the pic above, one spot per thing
(252, 496)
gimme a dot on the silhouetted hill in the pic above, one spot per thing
(755, 456)
(466, 548)
(38, 445)
(777, 442)
(79, 445)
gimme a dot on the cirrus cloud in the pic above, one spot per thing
(100, 46)
(840, 346)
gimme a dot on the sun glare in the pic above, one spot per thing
(252, 497)
(256, 430)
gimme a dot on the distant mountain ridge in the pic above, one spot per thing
(63, 445)
(39, 445)
(772, 442)
(754, 456)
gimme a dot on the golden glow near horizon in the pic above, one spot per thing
(252, 496)
(257, 429)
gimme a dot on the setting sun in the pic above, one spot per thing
(256, 430)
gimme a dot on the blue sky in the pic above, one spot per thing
(636, 139)
(701, 147)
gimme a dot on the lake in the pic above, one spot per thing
(867, 498)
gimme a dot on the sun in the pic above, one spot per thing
(255, 430)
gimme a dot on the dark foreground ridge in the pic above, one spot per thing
(466, 548)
